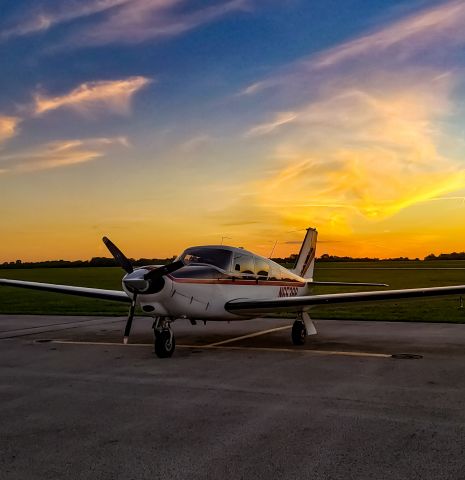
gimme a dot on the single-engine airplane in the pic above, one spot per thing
(221, 283)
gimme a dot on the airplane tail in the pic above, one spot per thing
(305, 262)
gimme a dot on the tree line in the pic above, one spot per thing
(290, 260)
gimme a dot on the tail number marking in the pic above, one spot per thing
(288, 291)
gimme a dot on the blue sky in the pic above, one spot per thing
(166, 122)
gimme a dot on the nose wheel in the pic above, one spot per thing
(164, 341)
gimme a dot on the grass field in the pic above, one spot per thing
(396, 274)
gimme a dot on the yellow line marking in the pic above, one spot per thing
(73, 342)
(218, 347)
(251, 335)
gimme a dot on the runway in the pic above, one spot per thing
(235, 401)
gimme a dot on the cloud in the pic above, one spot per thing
(41, 19)
(125, 21)
(8, 127)
(196, 143)
(253, 88)
(281, 118)
(420, 36)
(114, 95)
(59, 154)
(363, 130)
(372, 151)
(142, 20)
(419, 31)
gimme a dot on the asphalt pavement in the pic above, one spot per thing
(236, 401)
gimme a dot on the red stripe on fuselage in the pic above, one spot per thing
(269, 283)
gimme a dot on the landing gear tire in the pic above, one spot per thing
(299, 333)
(164, 343)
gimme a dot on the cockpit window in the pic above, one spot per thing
(207, 256)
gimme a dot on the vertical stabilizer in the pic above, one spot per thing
(306, 260)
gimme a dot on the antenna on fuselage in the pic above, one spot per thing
(272, 250)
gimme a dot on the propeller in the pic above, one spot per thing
(164, 270)
(118, 255)
(150, 282)
(127, 328)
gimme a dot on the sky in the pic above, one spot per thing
(169, 123)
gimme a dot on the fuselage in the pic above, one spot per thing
(213, 276)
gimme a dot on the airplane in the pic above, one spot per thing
(223, 283)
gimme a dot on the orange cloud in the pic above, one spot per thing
(364, 129)
(8, 127)
(375, 151)
(59, 154)
(115, 95)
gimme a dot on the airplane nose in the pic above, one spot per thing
(138, 282)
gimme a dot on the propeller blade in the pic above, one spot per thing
(127, 329)
(118, 255)
(165, 270)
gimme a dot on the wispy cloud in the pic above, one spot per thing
(41, 18)
(195, 143)
(425, 33)
(280, 119)
(114, 95)
(373, 151)
(8, 127)
(363, 130)
(59, 154)
(442, 23)
(142, 20)
(124, 21)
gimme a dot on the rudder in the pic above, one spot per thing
(305, 262)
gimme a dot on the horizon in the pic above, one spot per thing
(169, 124)
(323, 257)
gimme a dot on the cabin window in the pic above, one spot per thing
(286, 275)
(262, 267)
(274, 273)
(243, 263)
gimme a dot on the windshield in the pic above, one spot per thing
(210, 256)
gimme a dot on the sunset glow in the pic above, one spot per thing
(164, 124)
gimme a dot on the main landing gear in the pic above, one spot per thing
(302, 327)
(299, 333)
(163, 338)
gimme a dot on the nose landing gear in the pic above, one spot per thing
(164, 341)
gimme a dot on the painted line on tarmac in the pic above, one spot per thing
(250, 335)
(219, 347)
(105, 344)
(318, 352)
(56, 327)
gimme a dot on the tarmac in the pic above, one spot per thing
(236, 401)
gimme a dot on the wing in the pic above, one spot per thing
(299, 304)
(348, 284)
(116, 295)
